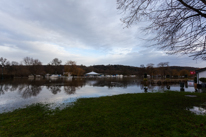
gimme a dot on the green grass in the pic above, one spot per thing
(147, 114)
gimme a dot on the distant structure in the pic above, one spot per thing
(92, 74)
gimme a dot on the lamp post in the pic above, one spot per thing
(2, 72)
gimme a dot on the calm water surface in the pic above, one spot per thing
(19, 93)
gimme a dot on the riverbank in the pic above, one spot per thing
(151, 114)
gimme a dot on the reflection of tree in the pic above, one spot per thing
(21, 87)
(110, 83)
(14, 87)
(1, 90)
(161, 88)
(70, 89)
(54, 88)
(151, 87)
(28, 91)
(6, 87)
(72, 86)
(32, 88)
(141, 86)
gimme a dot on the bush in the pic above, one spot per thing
(202, 79)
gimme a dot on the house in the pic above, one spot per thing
(201, 73)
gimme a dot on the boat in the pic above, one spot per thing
(31, 76)
(54, 76)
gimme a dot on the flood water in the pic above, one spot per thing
(18, 93)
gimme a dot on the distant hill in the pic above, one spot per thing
(181, 67)
(22, 70)
(127, 70)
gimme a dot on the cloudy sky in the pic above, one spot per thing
(86, 31)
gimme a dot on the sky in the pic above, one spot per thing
(89, 32)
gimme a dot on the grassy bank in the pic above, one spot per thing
(151, 114)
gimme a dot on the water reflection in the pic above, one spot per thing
(111, 83)
(31, 87)
(182, 89)
(198, 110)
(28, 91)
(1, 90)
(54, 88)
(20, 92)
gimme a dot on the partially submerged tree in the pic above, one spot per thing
(4, 65)
(14, 67)
(150, 69)
(34, 65)
(56, 63)
(142, 70)
(179, 26)
(163, 68)
(72, 68)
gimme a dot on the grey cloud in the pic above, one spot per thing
(45, 29)
(73, 20)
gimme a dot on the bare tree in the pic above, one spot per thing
(3, 61)
(14, 63)
(5, 65)
(36, 62)
(142, 70)
(163, 68)
(34, 66)
(163, 64)
(14, 67)
(179, 26)
(56, 62)
(28, 61)
(150, 69)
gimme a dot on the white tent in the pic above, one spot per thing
(92, 74)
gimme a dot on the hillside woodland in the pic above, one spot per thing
(30, 66)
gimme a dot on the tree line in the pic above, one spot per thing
(31, 66)
(160, 70)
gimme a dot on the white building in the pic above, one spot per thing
(201, 73)
(92, 74)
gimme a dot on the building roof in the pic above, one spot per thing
(92, 73)
(200, 70)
